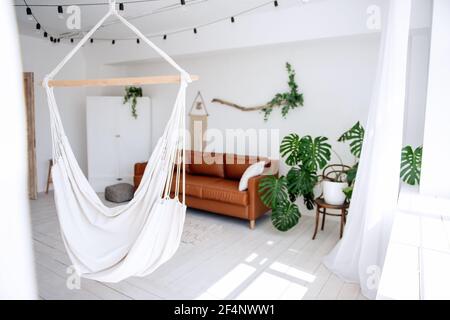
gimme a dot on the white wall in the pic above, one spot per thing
(41, 57)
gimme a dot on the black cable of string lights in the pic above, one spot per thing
(121, 7)
(84, 4)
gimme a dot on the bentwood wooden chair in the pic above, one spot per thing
(329, 173)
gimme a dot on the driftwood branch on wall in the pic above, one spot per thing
(234, 105)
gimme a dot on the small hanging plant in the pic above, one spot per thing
(131, 94)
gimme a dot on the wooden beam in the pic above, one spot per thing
(133, 81)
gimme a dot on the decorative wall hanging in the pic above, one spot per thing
(198, 122)
(287, 101)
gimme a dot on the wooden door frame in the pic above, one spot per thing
(28, 84)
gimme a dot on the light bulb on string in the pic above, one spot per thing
(29, 14)
(38, 27)
(60, 12)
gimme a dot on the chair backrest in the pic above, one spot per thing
(334, 169)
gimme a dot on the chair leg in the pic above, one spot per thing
(342, 222)
(317, 222)
(323, 218)
(252, 224)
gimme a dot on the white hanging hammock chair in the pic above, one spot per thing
(111, 244)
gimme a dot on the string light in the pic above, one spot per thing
(60, 12)
(29, 14)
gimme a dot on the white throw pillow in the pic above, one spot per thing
(254, 170)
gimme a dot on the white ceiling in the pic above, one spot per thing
(153, 17)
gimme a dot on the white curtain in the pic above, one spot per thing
(17, 279)
(359, 256)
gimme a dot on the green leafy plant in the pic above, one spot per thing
(288, 100)
(411, 165)
(131, 94)
(305, 155)
(355, 136)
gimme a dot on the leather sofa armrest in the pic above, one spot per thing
(256, 206)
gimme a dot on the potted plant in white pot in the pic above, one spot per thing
(334, 182)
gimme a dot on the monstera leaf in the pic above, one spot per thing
(285, 216)
(273, 191)
(308, 200)
(411, 165)
(300, 181)
(348, 192)
(290, 148)
(351, 174)
(315, 153)
(356, 137)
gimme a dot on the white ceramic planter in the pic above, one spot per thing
(332, 192)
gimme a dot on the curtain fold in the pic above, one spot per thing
(359, 256)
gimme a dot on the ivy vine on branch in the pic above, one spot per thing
(131, 94)
(287, 101)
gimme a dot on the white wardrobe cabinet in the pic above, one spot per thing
(116, 140)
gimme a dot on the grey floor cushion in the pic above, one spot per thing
(119, 192)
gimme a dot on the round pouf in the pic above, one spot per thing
(121, 192)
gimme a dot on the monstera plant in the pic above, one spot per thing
(306, 155)
(355, 136)
(410, 164)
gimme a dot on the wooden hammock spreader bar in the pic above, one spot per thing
(133, 81)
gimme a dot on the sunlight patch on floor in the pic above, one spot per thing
(232, 280)
(293, 272)
(265, 286)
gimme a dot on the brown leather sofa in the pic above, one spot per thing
(212, 182)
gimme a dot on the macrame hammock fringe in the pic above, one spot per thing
(111, 244)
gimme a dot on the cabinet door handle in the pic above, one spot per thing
(117, 135)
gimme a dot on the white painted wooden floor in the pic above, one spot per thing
(230, 262)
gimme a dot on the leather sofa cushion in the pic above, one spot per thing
(225, 191)
(235, 165)
(195, 184)
(206, 165)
